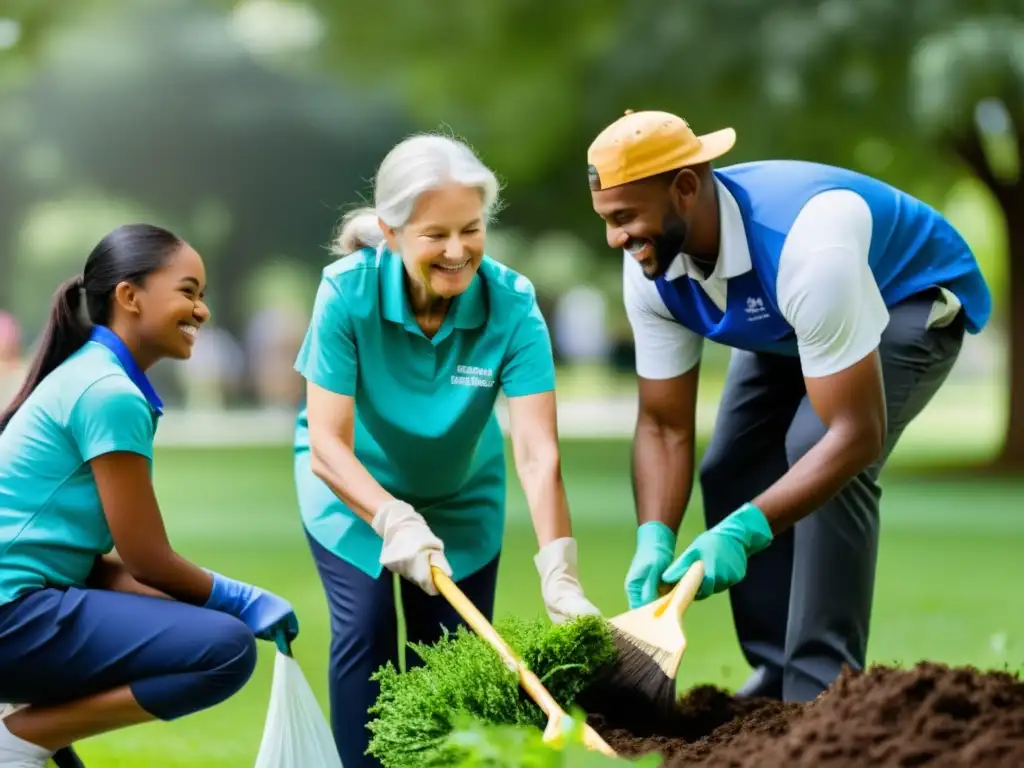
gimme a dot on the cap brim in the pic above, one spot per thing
(714, 144)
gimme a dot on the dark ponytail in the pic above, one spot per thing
(66, 331)
(129, 253)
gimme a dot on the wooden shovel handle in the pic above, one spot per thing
(683, 593)
(529, 681)
(479, 624)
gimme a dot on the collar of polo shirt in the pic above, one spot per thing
(733, 250)
(467, 310)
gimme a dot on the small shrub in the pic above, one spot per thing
(463, 677)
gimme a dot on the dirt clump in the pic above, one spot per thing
(930, 715)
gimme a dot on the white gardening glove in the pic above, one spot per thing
(559, 582)
(410, 547)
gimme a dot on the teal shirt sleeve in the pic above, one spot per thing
(328, 353)
(111, 415)
(530, 366)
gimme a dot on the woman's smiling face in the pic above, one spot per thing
(442, 244)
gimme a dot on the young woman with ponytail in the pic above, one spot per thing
(90, 641)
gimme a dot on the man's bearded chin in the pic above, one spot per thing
(667, 245)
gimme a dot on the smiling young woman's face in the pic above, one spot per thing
(172, 306)
(442, 244)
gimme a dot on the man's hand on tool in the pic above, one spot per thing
(724, 550)
(655, 546)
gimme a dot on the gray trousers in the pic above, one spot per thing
(804, 608)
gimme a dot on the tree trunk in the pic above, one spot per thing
(1010, 196)
(1012, 455)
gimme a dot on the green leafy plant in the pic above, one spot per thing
(462, 677)
(474, 744)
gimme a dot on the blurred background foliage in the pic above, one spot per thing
(250, 127)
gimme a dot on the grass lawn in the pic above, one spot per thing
(950, 567)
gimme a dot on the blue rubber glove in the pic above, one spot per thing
(724, 550)
(655, 546)
(263, 612)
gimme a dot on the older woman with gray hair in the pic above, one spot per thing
(399, 458)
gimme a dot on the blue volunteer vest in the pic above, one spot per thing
(913, 248)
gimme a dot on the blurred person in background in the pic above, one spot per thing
(579, 325)
(92, 641)
(212, 378)
(272, 340)
(845, 302)
(12, 367)
(399, 458)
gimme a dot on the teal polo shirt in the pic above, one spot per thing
(52, 524)
(425, 426)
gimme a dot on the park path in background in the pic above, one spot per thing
(965, 419)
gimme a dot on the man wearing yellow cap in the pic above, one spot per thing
(845, 302)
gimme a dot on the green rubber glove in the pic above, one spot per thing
(724, 550)
(655, 547)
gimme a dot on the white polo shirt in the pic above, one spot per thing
(825, 289)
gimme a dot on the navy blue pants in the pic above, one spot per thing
(364, 636)
(58, 646)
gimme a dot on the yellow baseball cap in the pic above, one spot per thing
(643, 144)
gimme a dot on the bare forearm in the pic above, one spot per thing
(164, 570)
(111, 574)
(545, 496)
(335, 463)
(662, 473)
(816, 477)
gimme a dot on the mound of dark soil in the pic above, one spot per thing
(931, 715)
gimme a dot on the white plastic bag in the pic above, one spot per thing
(296, 734)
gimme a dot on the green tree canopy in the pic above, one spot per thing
(915, 93)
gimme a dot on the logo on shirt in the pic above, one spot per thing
(471, 376)
(755, 309)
